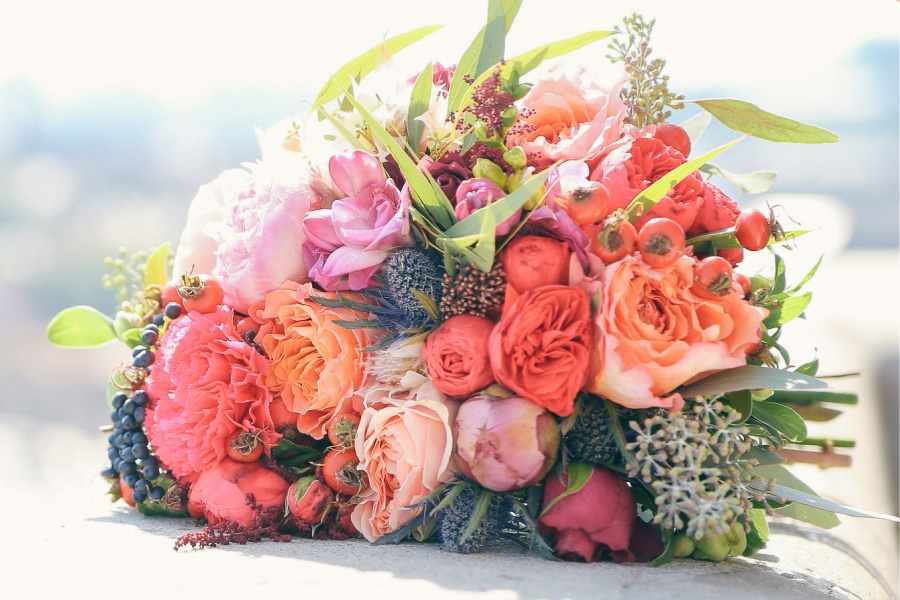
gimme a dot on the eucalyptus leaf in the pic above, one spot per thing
(814, 396)
(757, 182)
(80, 327)
(742, 402)
(750, 377)
(528, 61)
(763, 456)
(787, 311)
(578, 474)
(747, 118)
(418, 105)
(781, 417)
(807, 505)
(696, 125)
(363, 64)
(759, 532)
(810, 368)
(156, 269)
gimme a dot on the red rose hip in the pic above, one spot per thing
(712, 277)
(674, 136)
(751, 228)
(660, 242)
(616, 240)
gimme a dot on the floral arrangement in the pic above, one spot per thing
(492, 300)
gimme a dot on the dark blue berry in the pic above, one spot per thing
(127, 453)
(142, 485)
(131, 479)
(127, 468)
(144, 359)
(173, 310)
(138, 438)
(112, 452)
(140, 452)
(119, 441)
(159, 319)
(150, 471)
(137, 350)
(118, 399)
(139, 414)
(128, 422)
(112, 438)
(151, 461)
(109, 474)
(116, 463)
(114, 415)
(140, 397)
(157, 493)
(128, 438)
(128, 409)
(149, 337)
(138, 497)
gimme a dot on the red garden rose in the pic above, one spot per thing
(457, 355)
(540, 347)
(530, 261)
(206, 384)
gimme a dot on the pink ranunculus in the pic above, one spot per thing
(405, 450)
(566, 117)
(206, 384)
(260, 239)
(476, 193)
(633, 166)
(363, 227)
(653, 334)
(221, 491)
(595, 523)
(457, 355)
(505, 443)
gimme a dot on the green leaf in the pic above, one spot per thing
(779, 282)
(418, 105)
(746, 118)
(479, 510)
(668, 554)
(363, 64)
(696, 125)
(781, 417)
(289, 454)
(814, 396)
(807, 505)
(742, 402)
(528, 61)
(351, 138)
(788, 310)
(132, 337)
(810, 368)
(759, 532)
(500, 210)
(757, 182)
(750, 377)
(80, 327)
(578, 475)
(763, 456)
(156, 271)
(647, 199)
(803, 282)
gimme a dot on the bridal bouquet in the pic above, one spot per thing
(497, 299)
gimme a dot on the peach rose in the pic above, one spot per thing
(652, 334)
(405, 449)
(541, 347)
(530, 261)
(566, 117)
(316, 366)
(456, 355)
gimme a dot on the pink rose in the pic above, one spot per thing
(566, 117)
(221, 492)
(653, 334)
(595, 523)
(457, 355)
(206, 384)
(405, 449)
(505, 443)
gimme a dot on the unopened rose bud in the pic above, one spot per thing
(486, 169)
(309, 499)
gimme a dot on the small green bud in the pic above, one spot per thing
(480, 130)
(516, 158)
(508, 116)
(485, 169)
(683, 546)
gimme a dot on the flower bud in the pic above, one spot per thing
(485, 169)
(718, 547)
(509, 115)
(515, 157)
(309, 499)
(505, 443)
(125, 321)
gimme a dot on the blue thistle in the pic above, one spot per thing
(410, 270)
(496, 514)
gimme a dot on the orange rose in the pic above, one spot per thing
(530, 261)
(456, 355)
(652, 334)
(405, 449)
(316, 366)
(540, 347)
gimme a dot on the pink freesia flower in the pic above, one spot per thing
(653, 334)
(505, 443)
(476, 193)
(221, 492)
(207, 383)
(347, 243)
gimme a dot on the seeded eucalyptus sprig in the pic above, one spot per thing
(126, 273)
(646, 94)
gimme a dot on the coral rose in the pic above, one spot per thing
(717, 211)
(566, 117)
(221, 492)
(457, 355)
(653, 334)
(540, 347)
(316, 366)
(405, 449)
(206, 384)
(593, 523)
(531, 261)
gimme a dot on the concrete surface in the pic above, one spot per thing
(60, 535)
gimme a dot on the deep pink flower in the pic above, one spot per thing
(476, 193)
(505, 443)
(717, 211)
(221, 491)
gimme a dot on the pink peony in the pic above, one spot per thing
(405, 450)
(653, 334)
(348, 242)
(221, 491)
(505, 443)
(566, 117)
(595, 523)
(206, 384)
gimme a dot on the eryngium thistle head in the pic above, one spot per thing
(455, 520)
(411, 269)
(591, 438)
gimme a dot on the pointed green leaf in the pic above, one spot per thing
(742, 402)
(156, 271)
(750, 119)
(578, 475)
(781, 417)
(352, 139)
(482, 503)
(418, 105)
(780, 281)
(763, 456)
(501, 210)
(750, 377)
(808, 506)
(759, 532)
(696, 125)
(810, 368)
(757, 182)
(788, 310)
(80, 327)
(528, 61)
(805, 280)
(814, 396)
(647, 199)
(363, 64)
(668, 554)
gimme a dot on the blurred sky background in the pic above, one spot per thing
(112, 114)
